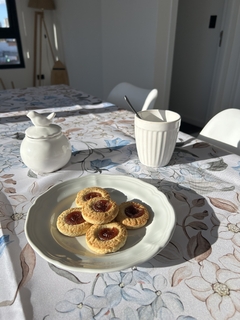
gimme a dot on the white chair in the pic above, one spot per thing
(223, 130)
(141, 99)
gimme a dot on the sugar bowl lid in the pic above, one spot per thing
(43, 127)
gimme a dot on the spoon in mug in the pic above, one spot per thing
(130, 105)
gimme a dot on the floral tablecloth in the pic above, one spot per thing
(196, 276)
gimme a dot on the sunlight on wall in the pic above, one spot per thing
(55, 38)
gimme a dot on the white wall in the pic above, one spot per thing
(195, 55)
(129, 31)
(79, 28)
(104, 42)
(225, 91)
(118, 41)
(165, 43)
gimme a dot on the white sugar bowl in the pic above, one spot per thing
(45, 148)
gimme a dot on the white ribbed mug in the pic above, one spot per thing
(156, 135)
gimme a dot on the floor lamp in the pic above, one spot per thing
(39, 23)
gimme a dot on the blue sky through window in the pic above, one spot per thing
(10, 42)
(3, 12)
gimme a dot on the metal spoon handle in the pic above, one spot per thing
(130, 105)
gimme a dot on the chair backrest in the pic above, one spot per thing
(223, 130)
(140, 98)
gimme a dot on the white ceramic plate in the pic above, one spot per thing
(72, 253)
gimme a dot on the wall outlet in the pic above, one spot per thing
(212, 22)
(42, 77)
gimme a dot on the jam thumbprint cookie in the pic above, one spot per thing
(106, 238)
(99, 210)
(90, 193)
(71, 223)
(132, 215)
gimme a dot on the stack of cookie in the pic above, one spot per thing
(104, 222)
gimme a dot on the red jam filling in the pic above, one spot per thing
(101, 206)
(134, 211)
(74, 217)
(91, 195)
(107, 233)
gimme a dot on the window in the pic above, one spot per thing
(10, 43)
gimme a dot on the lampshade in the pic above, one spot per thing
(41, 4)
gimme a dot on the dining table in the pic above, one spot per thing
(194, 273)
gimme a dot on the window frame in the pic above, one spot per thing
(12, 33)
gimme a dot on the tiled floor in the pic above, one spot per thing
(190, 129)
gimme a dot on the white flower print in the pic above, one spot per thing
(229, 229)
(218, 288)
(77, 306)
